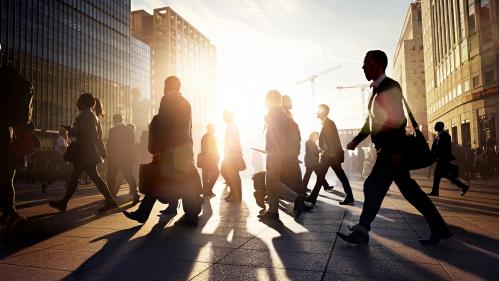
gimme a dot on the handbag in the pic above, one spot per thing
(417, 153)
(200, 160)
(73, 152)
(238, 162)
(151, 181)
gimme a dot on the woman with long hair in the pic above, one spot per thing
(88, 151)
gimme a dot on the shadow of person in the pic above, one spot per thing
(175, 252)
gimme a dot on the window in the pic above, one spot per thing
(489, 77)
(476, 81)
(466, 85)
(471, 16)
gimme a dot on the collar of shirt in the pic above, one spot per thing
(378, 81)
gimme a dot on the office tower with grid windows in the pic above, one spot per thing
(461, 54)
(66, 48)
(178, 48)
(408, 64)
(140, 84)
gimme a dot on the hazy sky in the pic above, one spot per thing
(265, 44)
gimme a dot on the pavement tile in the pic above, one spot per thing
(223, 272)
(282, 245)
(57, 259)
(208, 253)
(287, 260)
(24, 273)
(378, 252)
(470, 273)
(386, 269)
(151, 268)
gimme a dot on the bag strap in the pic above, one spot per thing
(409, 112)
(415, 124)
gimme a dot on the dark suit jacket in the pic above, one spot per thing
(170, 137)
(442, 148)
(209, 150)
(120, 144)
(311, 154)
(329, 140)
(276, 123)
(386, 124)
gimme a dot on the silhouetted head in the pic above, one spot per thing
(85, 101)
(439, 126)
(314, 136)
(228, 116)
(375, 64)
(172, 85)
(210, 128)
(273, 98)
(286, 102)
(117, 118)
(99, 108)
(322, 111)
(131, 127)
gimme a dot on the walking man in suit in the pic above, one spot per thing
(120, 150)
(386, 124)
(332, 156)
(442, 150)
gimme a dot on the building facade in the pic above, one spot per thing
(66, 48)
(408, 65)
(140, 83)
(179, 49)
(461, 53)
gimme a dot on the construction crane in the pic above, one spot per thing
(363, 89)
(312, 78)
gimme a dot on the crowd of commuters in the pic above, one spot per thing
(163, 160)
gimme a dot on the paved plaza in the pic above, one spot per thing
(232, 244)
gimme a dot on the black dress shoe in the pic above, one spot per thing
(433, 194)
(435, 238)
(108, 206)
(134, 197)
(465, 189)
(170, 210)
(188, 221)
(311, 200)
(59, 205)
(269, 216)
(300, 206)
(356, 238)
(134, 216)
(347, 201)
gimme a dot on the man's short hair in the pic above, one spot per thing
(117, 117)
(273, 97)
(172, 83)
(325, 108)
(439, 126)
(379, 56)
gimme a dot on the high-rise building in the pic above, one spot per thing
(66, 48)
(408, 65)
(461, 53)
(179, 49)
(140, 83)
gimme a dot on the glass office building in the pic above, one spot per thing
(140, 83)
(66, 48)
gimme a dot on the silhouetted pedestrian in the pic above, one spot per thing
(233, 161)
(277, 124)
(60, 168)
(312, 156)
(170, 141)
(86, 152)
(332, 156)
(442, 151)
(291, 172)
(16, 108)
(208, 161)
(120, 153)
(386, 124)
